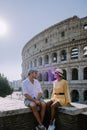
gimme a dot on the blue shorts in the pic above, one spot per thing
(27, 102)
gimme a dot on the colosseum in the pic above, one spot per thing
(61, 45)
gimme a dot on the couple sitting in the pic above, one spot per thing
(33, 97)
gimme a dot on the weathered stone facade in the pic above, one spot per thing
(61, 45)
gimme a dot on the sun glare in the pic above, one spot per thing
(3, 28)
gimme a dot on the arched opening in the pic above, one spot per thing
(63, 55)
(40, 77)
(74, 96)
(74, 53)
(40, 61)
(46, 95)
(46, 78)
(85, 73)
(54, 57)
(46, 60)
(65, 74)
(74, 74)
(35, 63)
(85, 95)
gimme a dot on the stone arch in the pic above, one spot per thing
(85, 95)
(46, 94)
(74, 53)
(65, 74)
(40, 61)
(74, 96)
(63, 55)
(35, 63)
(46, 76)
(85, 73)
(74, 74)
(40, 77)
(54, 57)
(46, 59)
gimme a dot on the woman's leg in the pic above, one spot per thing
(54, 106)
(48, 111)
(49, 103)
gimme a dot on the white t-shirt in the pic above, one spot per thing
(31, 89)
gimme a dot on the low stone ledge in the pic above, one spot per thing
(75, 110)
(15, 115)
(84, 113)
(12, 107)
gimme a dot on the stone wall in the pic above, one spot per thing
(26, 121)
(15, 116)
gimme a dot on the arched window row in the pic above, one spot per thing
(48, 76)
(54, 57)
(75, 95)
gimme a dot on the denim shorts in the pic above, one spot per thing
(27, 102)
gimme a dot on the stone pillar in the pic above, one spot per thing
(81, 98)
(50, 93)
(80, 53)
(80, 74)
(68, 55)
(69, 73)
(43, 60)
(50, 58)
(58, 56)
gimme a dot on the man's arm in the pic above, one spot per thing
(27, 96)
(33, 99)
(39, 96)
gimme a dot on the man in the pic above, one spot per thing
(32, 93)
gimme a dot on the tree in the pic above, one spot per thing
(5, 88)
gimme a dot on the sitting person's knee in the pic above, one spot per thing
(32, 105)
(43, 104)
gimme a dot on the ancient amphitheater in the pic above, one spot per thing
(61, 45)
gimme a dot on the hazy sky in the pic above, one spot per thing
(20, 20)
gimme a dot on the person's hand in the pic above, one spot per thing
(69, 104)
(37, 102)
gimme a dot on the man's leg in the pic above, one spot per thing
(35, 112)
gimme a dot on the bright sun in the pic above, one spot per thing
(3, 28)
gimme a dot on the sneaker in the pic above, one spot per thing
(51, 127)
(54, 121)
(40, 127)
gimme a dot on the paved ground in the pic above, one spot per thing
(10, 106)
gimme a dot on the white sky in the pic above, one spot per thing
(26, 18)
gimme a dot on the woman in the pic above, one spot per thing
(60, 96)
